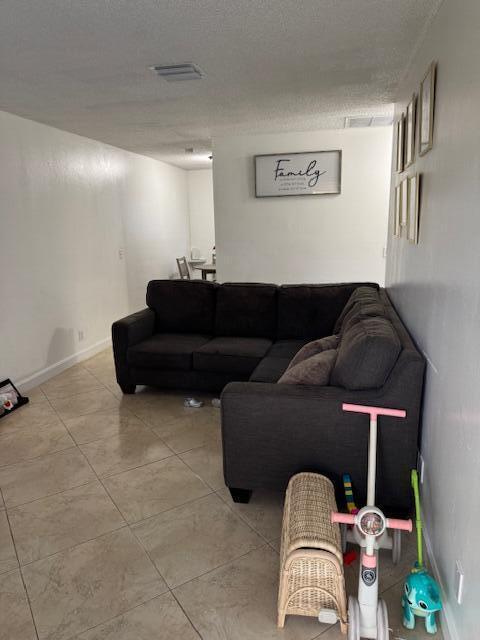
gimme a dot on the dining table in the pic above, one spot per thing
(206, 269)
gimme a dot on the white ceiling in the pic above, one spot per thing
(270, 65)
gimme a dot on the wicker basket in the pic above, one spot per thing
(311, 561)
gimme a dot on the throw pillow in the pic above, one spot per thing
(312, 348)
(312, 371)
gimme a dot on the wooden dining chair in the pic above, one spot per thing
(183, 269)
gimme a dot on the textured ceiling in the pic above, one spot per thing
(270, 65)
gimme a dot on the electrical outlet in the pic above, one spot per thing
(384, 252)
(121, 253)
(459, 581)
(81, 335)
(421, 467)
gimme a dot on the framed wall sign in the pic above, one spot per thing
(426, 109)
(298, 174)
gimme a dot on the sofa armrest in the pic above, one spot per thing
(272, 431)
(126, 332)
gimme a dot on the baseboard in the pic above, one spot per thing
(54, 369)
(449, 628)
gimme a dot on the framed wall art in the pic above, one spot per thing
(426, 111)
(410, 119)
(397, 229)
(413, 208)
(400, 138)
(298, 174)
(404, 202)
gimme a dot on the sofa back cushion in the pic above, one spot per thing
(367, 353)
(183, 306)
(310, 311)
(248, 310)
(360, 311)
(364, 294)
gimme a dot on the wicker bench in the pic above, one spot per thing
(311, 561)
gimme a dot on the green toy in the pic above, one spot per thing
(421, 595)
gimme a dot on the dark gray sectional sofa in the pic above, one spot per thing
(242, 337)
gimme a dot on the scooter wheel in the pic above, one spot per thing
(396, 546)
(382, 621)
(353, 619)
(343, 537)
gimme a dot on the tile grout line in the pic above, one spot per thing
(239, 514)
(50, 495)
(197, 631)
(96, 474)
(27, 595)
(177, 506)
(72, 546)
(125, 526)
(27, 460)
(119, 615)
(98, 479)
(265, 543)
(220, 566)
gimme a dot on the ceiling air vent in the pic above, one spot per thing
(357, 121)
(354, 122)
(176, 72)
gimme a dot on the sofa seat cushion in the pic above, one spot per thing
(270, 369)
(367, 353)
(166, 351)
(231, 354)
(286, 348)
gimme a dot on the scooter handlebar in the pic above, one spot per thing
(342, 518)
(395, 523)
(374, 411)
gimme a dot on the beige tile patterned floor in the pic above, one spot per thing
(115, 523)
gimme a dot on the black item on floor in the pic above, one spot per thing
(10, 398)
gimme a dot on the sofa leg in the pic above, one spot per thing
(128, 388)
(240, 495)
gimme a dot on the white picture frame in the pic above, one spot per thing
(298, 174)
(413, 190)
(404, 202)
(410, 122)
(400, 138)
(426, 111)
(397, 229)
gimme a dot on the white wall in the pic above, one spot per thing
(67, 205)
(436, 287)
(201, 216)
(329, 238)
(154, 205)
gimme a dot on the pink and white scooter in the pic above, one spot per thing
(367, 615)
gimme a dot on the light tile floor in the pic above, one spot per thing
(115, 524)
